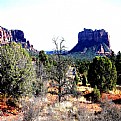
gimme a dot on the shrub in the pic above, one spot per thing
(16, 71)
(76, 79)
(96, 94)
(109, 112)
(118, 67)
(102, 73)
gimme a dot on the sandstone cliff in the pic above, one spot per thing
(97, 39)
(7, 36)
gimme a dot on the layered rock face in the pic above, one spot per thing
(11, 35)
(98, 39)
(18, 35)
(7, 36)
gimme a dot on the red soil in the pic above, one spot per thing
(110, 96)
(9, 111)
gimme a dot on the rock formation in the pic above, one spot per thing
(7, 36)
(98, 39)
(11, 35)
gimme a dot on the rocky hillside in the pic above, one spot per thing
(97, 39)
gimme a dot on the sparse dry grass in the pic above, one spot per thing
(46, 108)
(116, 91)
(43, 109)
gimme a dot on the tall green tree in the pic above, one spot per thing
(16, 70)
(43, 58)
(41, 62)
(42, 65)
(113, 57)
(118, 67)
(102, 73)
(82, 67)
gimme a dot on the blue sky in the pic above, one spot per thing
(41, 20)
